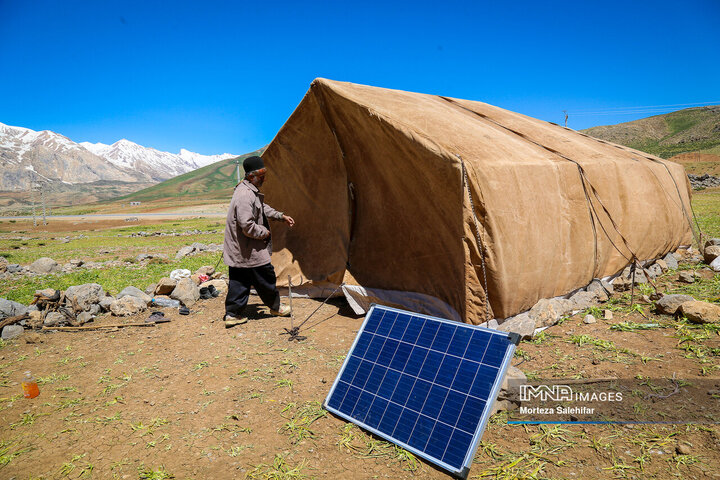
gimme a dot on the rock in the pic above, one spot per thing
(220, 285)
(607, 315)
(669, 304)
(205, 270)
(654, 271)
(589, 319)
(105, 303)
(686, 277)
(128, 305)
(33, 338)
(509, 395)
(14, 268)
(134, 292)
(36, 320)
(700, 312)
(84, 295)
(199, 247)
(184, 252)
(143, 257)
(53, 319)
(683, 449)
(671, 261)
(712, 241)
(94, 309)
(3, 264)
(602, 289)
(582, 300)
(710, 253)
(521, 324)
(44, 265)
(715, 265)
(195, 278)
(621, 284)
(76, 263)
(186, 291)
(662, 264)
(83, 318)
(8, 308)
(217, 275)
(165, 286)
(12, 331)
(547, 312)
(150, 289)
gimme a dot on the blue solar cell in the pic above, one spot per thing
(422, 382)
(427, 334)
(418, 395)
(431, 365)
(446, 372)
(443, 337)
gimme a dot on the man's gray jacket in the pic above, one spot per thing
(247, 223)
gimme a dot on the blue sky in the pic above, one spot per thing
(217, 77)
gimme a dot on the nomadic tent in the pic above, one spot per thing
(387, 188)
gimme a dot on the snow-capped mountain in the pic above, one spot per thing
(27, 156)
(159, 165)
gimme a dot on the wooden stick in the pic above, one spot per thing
(15, 319)
(96, 327)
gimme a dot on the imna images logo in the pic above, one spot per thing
(564, 393)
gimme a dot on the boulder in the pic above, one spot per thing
(12, 331)
(621, 284)
(715, 265)
(607, 315)
(36, 320)
(83, 318)
(662, 264)
(671, 261)
(85, 295)
(128, 305)
(602, 288)
(700, 312)
(105, 303)
(654, 271)
(205, 270)
(589, 319)
(711, 253)
(199, 247)
(76, 263)
(53, 319)
(3, 264)
(134, 292)
(669, 304)
(195, 278)
(184, 252)
(220, 285)
(521, 324)
(165, 286)
(712, 241)
(150, 289)
(14, 268)
(186, 291)
(44, 265)
(8, 308)
(686, 277)
(143, 257)
(547, 312)
(509, 395)
(582, 300)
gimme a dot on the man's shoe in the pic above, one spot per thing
(205, 293)
(284, 311)
(231, 321)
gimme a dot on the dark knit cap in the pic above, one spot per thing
(250, 164)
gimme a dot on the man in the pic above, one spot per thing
(247, 246)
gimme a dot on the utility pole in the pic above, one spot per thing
(237, 169)
(42, 196)
(566, 117)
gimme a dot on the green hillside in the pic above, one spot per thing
(214, 181)
(691, 130)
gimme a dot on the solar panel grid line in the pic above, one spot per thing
(408, 385)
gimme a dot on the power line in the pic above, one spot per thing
(640, 109)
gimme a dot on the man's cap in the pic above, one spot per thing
(250, 164)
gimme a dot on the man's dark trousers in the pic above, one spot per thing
(242, 279)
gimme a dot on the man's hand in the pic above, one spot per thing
(289, 221)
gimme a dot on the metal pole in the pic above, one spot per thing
(237, 169)
(32, 199)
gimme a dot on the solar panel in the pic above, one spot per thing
(424, 383)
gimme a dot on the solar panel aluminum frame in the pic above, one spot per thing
(463, 472)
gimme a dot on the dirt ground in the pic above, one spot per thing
(191, 399)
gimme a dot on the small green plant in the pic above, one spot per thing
(159, 474)
(279, 470)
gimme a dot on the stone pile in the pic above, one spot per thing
(706, 180)
(196, 248)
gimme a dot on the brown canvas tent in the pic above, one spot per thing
(374, 179)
